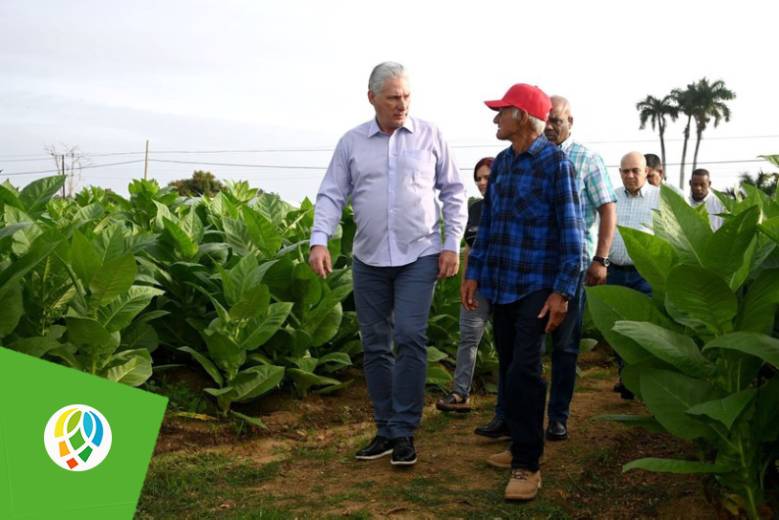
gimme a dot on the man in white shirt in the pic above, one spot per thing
(700, 194)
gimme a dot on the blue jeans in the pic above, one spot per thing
(393, 304)
(519, 338)
(472, 325)
(565, 352)
(627, 276)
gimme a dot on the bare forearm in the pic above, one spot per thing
(606, 228)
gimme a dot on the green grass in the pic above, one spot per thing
(184, 482)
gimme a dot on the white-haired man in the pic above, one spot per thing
(393, 168)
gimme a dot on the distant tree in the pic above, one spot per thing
(685, 101)
(201, 184)
(709, 106)
(655, 111)
(764, 181)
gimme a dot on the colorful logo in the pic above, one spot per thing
(77, 437)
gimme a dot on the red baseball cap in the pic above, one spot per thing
(526, 97)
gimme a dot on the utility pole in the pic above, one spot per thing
(146, 162)
(62, 158)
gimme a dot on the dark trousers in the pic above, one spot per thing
(392, 306)
(565, 353)
(519, 337)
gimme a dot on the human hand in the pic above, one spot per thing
(468, 294)
(556, 307)
(596, 274)
(448, 264)
(320, 261)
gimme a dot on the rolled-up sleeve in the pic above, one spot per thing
(569, 219)
(452, 194)
(333, 194)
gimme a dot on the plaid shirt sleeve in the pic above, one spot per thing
(597, 184)
(569, 218)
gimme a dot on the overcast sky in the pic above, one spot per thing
(212, 76)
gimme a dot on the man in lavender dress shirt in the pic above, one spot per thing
(394, 169)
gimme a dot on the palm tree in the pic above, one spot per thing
(710, 104)
(655, 111)
(686, 102)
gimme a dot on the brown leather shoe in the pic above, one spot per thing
(454, 402)
(500, 460)
(523, 484)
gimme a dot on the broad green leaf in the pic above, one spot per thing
(140, 335)
(225, 353)
(329, 389)
(84, 258)
(306, 363)
(206, 363)
(434, 355)
(264, 234)
(253, 304)
(675, 349)
(40, 249)
(306, 286)
(114, 279)
(751, 343)
(36, 195)
(652, 256)
(611, 303)
(682, 226)
(437, 375)
(766, 421)
(162, 213)
(243, 276)
(256, 381)
(304, 380)
(730, 251)
(9, 197)
(700, 300)
(120, 312)
(12, 308)
(334, 361)
(643, 421)
(184, 245)
(90, 335)
(192, 226)
(130, 367)
(261, 330)
(727, 409)
(657, 465)
(88, 213)
(669, 395)
(760, 303)
(771, 228)
(37, 346)
(279, 277)
(326, 328)
(254, 421)
(9, 229)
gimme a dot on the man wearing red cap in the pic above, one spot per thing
(526, 261)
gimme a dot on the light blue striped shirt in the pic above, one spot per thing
(395, 183)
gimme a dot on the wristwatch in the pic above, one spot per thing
(602, 260)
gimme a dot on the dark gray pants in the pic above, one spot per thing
(393, 304)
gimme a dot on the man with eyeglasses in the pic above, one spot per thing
(635, 202)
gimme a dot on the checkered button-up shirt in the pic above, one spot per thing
(531, 232)
(633, 212)
(595, 189)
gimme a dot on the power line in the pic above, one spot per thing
(78, 168)
(239, 165)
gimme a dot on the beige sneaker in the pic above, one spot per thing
(523, 484)
(500, 460)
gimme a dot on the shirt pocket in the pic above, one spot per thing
(419, 167)
(522, 198)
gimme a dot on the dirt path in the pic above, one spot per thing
(305, 467)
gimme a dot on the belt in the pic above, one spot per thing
(618, 267)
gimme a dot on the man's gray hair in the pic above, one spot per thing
(382, 72)
(538, 125)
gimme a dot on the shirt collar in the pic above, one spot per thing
(642, 191)
(706, 198)
(566, 145)
(374, 129)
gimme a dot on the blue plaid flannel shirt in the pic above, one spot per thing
(531, 233)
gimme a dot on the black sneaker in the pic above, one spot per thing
(379, 447)
(403, 453)
(496, 429)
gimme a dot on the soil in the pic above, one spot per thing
(312, 442)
